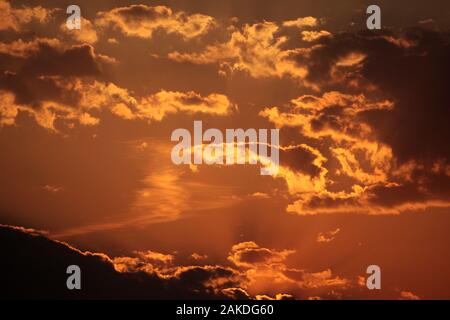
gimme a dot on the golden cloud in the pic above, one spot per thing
(328, 236)
(408, 295)
(16, 18)
(332, 116)
(8, 109)
(249, 254)
(95, 96)
(23, 49)
(359, 170)
(266, 271)
(311, 36)
(142, 21)
(302, 22)
(255, 49)
(87, 33)
(155, 107)
(258, 273)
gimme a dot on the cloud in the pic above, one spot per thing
(31, 72)
(407, 295)
(255, 49)
(359, 124)
(360, 172)
(38, 270)
(147, 261)
(30, 231)
(311, 36)
(24, 49)
(156, 106)
(304, 159)
(16, 18)
(327, 236)
(41, 273)
(266, 271)
(148, 274)
(329, 115)
(322, 279)
(52, 188)
(260, 195)
(143, 21)
(423, 133)
(87, 33)
(8, 110)
(302, 22)
(236, 294)
(306, 178)
(61, 90)
(249, 254)
(79, 60)
(278, 296)
(198, 257)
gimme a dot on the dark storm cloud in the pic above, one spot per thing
(76, 61)
(300, 159)
(34, 267)
(408, 68)
(424, 185)
(32, 75)
(396, 195)
(30, 90)
(411, 69)
(48, 57)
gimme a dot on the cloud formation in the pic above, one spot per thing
(267, 272)
(87, 33)
(256, 49)
(375, 149)
(41, 273)
(328, 236)
(54, 82)
(363, 130)
(143, 21)
(13, 18)
(152, 275)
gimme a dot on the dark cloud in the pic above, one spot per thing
(236, 293)
(300, 159)
(424, 185)
(33, 77)
(143, 21)
(144, 12)
(75, 61)
(30, 90)
(411, 68)
(34, 267)
(398, 147)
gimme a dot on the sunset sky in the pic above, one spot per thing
(86, 173)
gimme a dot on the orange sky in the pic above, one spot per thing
(86, 117)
